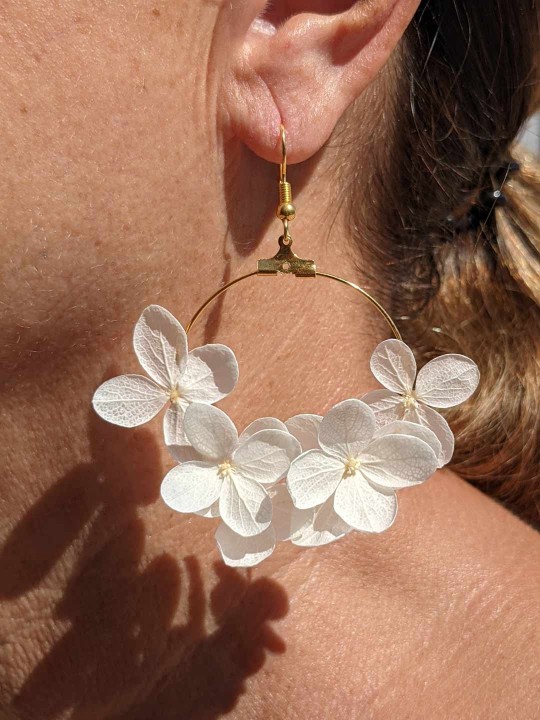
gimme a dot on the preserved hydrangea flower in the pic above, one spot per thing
(233, 472)
(444, 382)
(359, 469)
(176, 377)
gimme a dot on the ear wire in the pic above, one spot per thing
(286, 211)
(285, 262)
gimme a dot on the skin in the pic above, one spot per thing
(136, 140)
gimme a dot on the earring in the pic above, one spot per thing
(310, 480)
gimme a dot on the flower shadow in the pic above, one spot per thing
(134, 640)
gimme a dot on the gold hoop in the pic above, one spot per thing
(285, 261)
(317, 273)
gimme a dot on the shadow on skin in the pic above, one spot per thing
(251, 199)
(121, 655)
(207, 681)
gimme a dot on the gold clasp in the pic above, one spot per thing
(285, 261)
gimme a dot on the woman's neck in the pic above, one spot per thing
(109, 600)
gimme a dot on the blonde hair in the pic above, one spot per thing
(465, 82)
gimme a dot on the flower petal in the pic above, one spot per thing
(128, 400)
(265, 423)
(313, 477)
(436, 423)
(210, 431)
(346, 429)
(287, 520)
(363, 507)
(184, 453)
(447, 381)
(173, 423)
(191, 487)
(305, 429)
(394, 366)
(266, 456)
(398, 461)
(210, 512)
(402, 427)
(160, 344)
(210, 375)
(325, 527)
(386, 404)
(244, 506)
(238, 551)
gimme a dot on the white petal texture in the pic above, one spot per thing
(244, 505)
(184, 453)
(437, 424)
(286, 519)
(313, 477)
(346, 429)
(238, 551)
(210, 431)
(160, 344)
(129, 400)
(387, 406)
(265, 423)
(173, 423)
(394, 366)
(447, 381)
(266, 456)
(210, 375)
(191, 487)
(305, 429)
(324, 526)
(210, 512)
(398, 461)
(419, 431)
(363, 507)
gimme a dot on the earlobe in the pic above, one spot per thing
(305, 69)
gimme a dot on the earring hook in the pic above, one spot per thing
(283, 163)
(286, 211)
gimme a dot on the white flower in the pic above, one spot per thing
(319, 525)
(359, 470)
(238, 551)
(444, 382)
(177, 377)
(233, 471)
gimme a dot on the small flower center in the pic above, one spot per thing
(175, 395)
(226, 469)
(410, 402)
(351, 466)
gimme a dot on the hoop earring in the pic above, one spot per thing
(310, 480)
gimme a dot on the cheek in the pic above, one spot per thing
(91, 201)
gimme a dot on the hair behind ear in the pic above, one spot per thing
(464, 85)
(518, 226)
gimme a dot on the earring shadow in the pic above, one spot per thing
(251, 199)
(134, 641)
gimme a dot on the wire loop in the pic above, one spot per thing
(375, 303)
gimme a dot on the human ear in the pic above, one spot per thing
(302, 63)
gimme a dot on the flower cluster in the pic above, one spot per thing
(310, 480)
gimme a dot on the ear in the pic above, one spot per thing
(294, 63)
